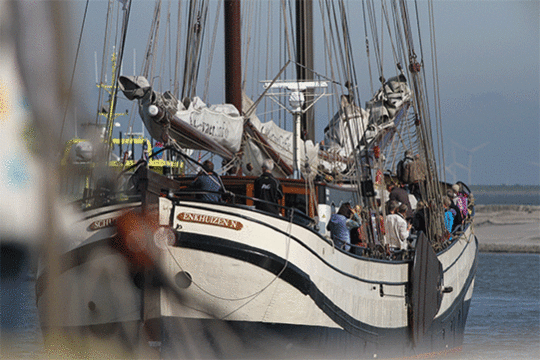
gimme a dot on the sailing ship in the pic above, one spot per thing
(149, 262)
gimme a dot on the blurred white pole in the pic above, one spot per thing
(96, 67)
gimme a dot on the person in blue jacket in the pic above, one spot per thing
(208, 180)
(340, 225)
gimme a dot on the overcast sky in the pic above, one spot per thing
(489, 78)
(489, 66)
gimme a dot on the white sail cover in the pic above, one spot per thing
(223, 123)
(353, 126)
(281, 142)
(346, 128)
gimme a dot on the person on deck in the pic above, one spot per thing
(397, 228)
(419, 218)
(403, 167)
(341, 224)
(448, 215)
(460, 199)
(158, 146)
(268, 189)
(400, 195)
(208, 180)
(415, 174)
(458, 219)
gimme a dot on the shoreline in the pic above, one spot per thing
(508, 249)
(507, 228)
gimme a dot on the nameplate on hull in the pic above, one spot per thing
(210, 220)
(101, 224)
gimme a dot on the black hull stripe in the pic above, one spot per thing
(300, 242)
(70, 260)
(116, 208)
(447, 314)
(275, 264)
(301, 281)
(462, 251)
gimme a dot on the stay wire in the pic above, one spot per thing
(353, 76)
(211, 53)
(106, 39)
(125, 22)
(367, 45)
(73, 72)
(437, 92)
(252, 296)
(177, 50)
(247, 22)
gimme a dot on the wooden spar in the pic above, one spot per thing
(233, 69)
(267, 148)
(233, 74)
(233, 78)
(194, 139)
(304, 50)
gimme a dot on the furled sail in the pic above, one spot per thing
(192, 124)
(219, 128)
(279, 141)
(353, 126)
(268, 140)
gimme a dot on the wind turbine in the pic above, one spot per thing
(451, 169)
(470, 153)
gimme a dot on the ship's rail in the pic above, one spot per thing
(368, 250)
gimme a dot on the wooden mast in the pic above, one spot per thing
(304, 58)
(233, 68)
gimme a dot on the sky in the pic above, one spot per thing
(489, 81)
(489, 65)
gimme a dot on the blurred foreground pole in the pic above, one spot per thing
(33, 96)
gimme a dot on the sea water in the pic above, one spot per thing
(503, 321)
(506, 195)
(504, 317)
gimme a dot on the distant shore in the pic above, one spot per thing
(508, 228)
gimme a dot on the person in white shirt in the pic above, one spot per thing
(397, 228)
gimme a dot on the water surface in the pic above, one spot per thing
(503, 322)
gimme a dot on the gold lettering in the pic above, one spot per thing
(210, 220)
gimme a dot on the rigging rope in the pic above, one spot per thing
(152, 43)
(254, 295)
(367, 46)
(73, 72)
(165, 42)
(438, 116)
(211, 53)
(108, 23)
(176, 89)
(125, 22)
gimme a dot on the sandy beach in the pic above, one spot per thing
(508, 228)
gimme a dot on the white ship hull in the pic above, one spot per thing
(275, 286)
